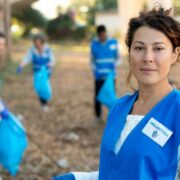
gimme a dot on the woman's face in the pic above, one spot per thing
(151, 56)
(102, 36)
(38, 44)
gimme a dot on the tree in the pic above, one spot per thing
(78, 3)
(106, 4)
(177, 7)
(31, 18)
(60, 26)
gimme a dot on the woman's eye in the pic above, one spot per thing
(158, 49)
(138, 48)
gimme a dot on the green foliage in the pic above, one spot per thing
(64, 28)
(177, 7)
(79, 33)
(84, 17)
(31, 18)
(78, 3)
(91, 16)
(106, 4)
(60, 27)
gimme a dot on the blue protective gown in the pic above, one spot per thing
(104, 57)
(141, 157)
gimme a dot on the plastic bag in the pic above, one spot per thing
(42, 84)
(68, 176)
(13, 142)
(107, 95)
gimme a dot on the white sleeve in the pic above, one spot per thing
(28, 57)
(94, 175)
(52, 59)
(92, 61)
(92, 58)
(1, 106)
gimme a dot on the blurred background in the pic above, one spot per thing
(64, 139)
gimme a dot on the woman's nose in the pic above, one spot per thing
(148, 56)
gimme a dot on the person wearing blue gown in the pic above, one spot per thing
(40, 56)
(141, 140)
(13, 139)
(104, 60)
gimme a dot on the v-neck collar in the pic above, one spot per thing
(119, 121)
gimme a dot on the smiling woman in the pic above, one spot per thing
(165, 41)
(151, 56)
(142, 135)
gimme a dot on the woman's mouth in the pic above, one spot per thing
(147, 69)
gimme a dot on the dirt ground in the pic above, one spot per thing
(65, 138)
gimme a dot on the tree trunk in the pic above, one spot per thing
(7, 28)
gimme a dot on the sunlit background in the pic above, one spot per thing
(76, 19)
(66, 138)
(49, 10)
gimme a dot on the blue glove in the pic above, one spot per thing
(68, 176)
(4, 111)
(19, 69)
(49, 70)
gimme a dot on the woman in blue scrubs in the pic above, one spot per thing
(142, 136)
(40, 56)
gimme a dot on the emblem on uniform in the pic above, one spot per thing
(113, 46)
(157, 131)
(155, 134)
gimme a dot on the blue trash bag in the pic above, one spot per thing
(42, 84)
(107, 94)
(13, 142)
(68, 176)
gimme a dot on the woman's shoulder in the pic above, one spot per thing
(177, 92)
(177, 99)
(95, 41)
(128, 96)
(119, 108)
(47, 47)
(123, 100)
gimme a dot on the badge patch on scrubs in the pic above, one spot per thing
(157, 132)
(113, 46)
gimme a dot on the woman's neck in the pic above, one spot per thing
(153, 93)
(40, 50)
(149, 96)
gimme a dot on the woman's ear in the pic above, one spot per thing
(176, 54)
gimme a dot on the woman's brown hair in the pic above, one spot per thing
(158, 19)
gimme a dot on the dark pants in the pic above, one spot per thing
(43, 102)
(97, 105)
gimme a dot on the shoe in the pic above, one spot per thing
(45, 108)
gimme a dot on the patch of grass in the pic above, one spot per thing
(69, 46)
(9, 71)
